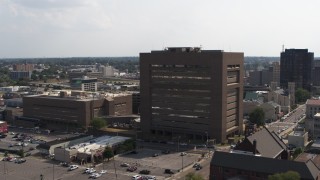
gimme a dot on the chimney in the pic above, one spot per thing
(255, 146)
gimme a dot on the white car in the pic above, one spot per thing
(73, 167)
(150, 177)
(103, 171)
(90, 170)
(183, 154)
(95, 175)
(136, 177)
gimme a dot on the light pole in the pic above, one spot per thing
(182, 162)
(207, 139)
(179, 144)
(52, 171)
(114, 166)
(207, 144)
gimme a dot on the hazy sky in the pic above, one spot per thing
(65, 28)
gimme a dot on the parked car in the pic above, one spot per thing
(90, 170)
(165, 151)
(124, 165)
(95, 175)
(19, 161)
(73, 167)
(168, 171)
(145, 171)
(148, 177)
(65, 164)
(136, 177)
(198, 167)
(103, 171)
(183, 154)
(155, 155)
(132, 168)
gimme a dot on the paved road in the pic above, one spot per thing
(289, 123)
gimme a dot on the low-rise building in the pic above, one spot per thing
(74, 112)
(265, 143)
(49, 147)
(312, 119)
(281, 97)
(298, 137)
(84, 84)
(226, 165)
(87, 151)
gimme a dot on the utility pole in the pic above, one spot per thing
(182, 162)
(179, 144)
(52, 171)
(114, 166)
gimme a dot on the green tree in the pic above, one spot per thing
(108, 153)
(98, 123)
(6, 154)
(302, 95)
(297, 152)
(257, 116)
(126, 146)
(289, 175)
(193, 176)
(21, 153)
(34, 77)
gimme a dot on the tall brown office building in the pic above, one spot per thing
(191, 93)
(296, 66)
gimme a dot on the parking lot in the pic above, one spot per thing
(35, 166)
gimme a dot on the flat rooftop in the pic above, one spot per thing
(100, 142)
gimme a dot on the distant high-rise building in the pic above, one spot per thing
(276, 73)
(85, 83)
(107, 71)
(23, 67)
(296, 66)
(316, 73)
(260, 78)
(191, 93)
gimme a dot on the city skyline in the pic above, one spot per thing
(84, 28)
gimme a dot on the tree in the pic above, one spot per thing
(289, 175)
(302, 95)
(108, 153)
(297, 152)
(257, 116)
(21, 153)
(98, 123)
(193, 176)
(6, 154)
(126, 146)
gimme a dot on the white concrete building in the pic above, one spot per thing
(299, 138)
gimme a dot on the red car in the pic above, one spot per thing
(132, 168)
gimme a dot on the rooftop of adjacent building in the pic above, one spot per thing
(87, 97)
(313, 102)
(185, 50)
(307, 169)
(99, 142)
